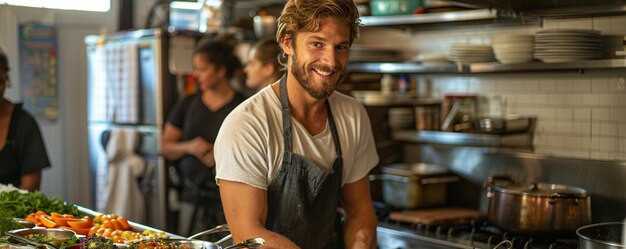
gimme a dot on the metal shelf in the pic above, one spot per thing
(455, 16)
(490, 67)
(401, 67)
(520, 141)
(378, 98)
(539, 66)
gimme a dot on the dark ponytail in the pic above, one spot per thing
(220, 52)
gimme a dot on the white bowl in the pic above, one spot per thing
(512, 38)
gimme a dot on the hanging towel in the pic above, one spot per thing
(123, 194)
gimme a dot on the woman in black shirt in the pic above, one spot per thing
(22, 150)
(191, 130)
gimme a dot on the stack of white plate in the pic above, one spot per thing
(401, 118)
(466, 53)
(562, 45)
(513, 48)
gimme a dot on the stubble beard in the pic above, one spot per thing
(327, 87)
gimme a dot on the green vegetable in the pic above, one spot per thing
(19, 205)
(6, 221)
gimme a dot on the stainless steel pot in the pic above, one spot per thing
(538, 209)
(601, 236)
(415, 185)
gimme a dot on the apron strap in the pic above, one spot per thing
(284, 102)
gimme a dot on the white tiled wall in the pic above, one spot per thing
(579, 115)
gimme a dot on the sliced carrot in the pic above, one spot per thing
(33, 219)
(124, 223)
(47, 222)
(92, 231)
(55, 215)
(116, 224)
(40, 213)
(81, 231)
(62, 221)
(80, 223)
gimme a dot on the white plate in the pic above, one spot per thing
(557, 30)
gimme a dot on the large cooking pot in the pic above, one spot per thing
(414, 185)
(538, 209)
(601, 236)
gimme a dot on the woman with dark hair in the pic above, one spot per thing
(191, 130)
(22, 150)
(263, 68)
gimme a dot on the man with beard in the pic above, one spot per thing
(297, 152)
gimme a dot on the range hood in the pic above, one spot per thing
(553, 8)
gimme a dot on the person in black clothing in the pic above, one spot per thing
(191, 130)
(22, 149)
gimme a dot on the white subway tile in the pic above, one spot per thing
(603, 143)
(581, 128)
(565, 114)
(591, 99)
(608, 129)
(602, 24)
(573, 99)
(582, 114)
(617, 25)
(621, 129)
(547, 85)
(525, 98)
(554, 140)
(583, 85)
(581, 154)
(564, 85)
(600, 155)
(600, 114)
(578, 23)
(596, 128)
(564, 127)
(608, 100)
(601, 84)
(618, 114)
(556, 99)
(540, 99)
(546, 113)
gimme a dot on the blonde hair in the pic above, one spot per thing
(305, 15)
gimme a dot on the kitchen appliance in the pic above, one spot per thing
(601, 236)
(129, 88)
(414, 185)
(467, 234)
(540, 209)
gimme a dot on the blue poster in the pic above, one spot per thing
(39, 70)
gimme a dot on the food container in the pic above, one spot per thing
(537, 209)
(504, 125)
(415, 185)
(43, 236)
(394, 7)
(601, 236)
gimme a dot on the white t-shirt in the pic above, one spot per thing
(249, 146)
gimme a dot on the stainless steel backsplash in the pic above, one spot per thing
(605, 181)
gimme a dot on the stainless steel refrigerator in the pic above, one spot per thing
(129, 87)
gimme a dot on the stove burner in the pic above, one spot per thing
(475, 234)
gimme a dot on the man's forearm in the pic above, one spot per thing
(272, 240)
(360, 232)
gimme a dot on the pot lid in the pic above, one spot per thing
(543, 190)
(414, 169)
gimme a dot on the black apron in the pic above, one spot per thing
(10, 171)
(303, 199)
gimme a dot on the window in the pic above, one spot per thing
(85, 5)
